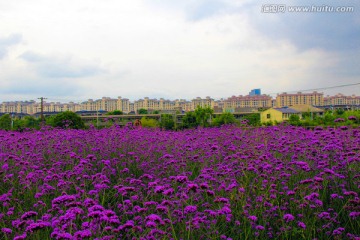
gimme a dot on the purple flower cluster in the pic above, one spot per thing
(215, 183)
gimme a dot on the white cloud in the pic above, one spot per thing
(137, 48)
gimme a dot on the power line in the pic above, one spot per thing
(323, 88)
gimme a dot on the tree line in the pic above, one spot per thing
(201, 117)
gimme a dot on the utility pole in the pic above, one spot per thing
(42, 109)
(12, 121)
(97, 118)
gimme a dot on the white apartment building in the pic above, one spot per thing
(229, 104)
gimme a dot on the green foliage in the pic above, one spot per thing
(268, 123)
(294, 120)
(156, 112)
(328, 119)
(49, 120)
(224, 118)
(67, 120)
(142, 111)
(149, 122)
(167, 122)
(254, 119)
(115, 112)
(339, 112)
(189, 120)
(5, 122)
(306, 114)
(109, 122)
(203, 115)
(27, 122)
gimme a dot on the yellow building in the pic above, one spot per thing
(284, 113)
(256, 101)
(202, 102)
(288, 100)
(278, 114)
(341, 99)
(123, 104)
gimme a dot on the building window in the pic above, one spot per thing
(267, 116)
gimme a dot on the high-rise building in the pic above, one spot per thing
(202, 102)
(287, 100)
(231, 104)
(255, 92)
(234, 102)
(341, 99)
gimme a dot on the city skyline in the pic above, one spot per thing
(76, 50)
(272, 95)
(323, 90)
(251, 102)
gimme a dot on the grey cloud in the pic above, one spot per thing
(7, 42)
(33, 57)
(322, 30)
(40, 87)
(196, 10)
(347, 66)
(55, 67)
(206, 9)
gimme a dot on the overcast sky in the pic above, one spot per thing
(79, 49)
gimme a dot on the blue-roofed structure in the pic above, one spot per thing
(284, 113)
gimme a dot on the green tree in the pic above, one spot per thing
(224, 118)
(49, 120)
(329, 118)
(142, 111)
(167, 122)
(294, 120)
(5, 122)
(149, 122)
(115, 112)
(306, 114)
(339, 112)
(68, 120)
(203, 115)
(156, 112)
(253, 118)
(27, 122)
(189, 120)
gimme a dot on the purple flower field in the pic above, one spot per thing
(277, 182)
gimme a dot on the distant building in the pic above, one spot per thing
(254, 100)
(255, 92)
(235, 102)
(287, 100)
(284, 113)
(342, 100)
(202, 102)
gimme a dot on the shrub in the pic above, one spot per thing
(224, 118)
(167, 122)
(5, 122)
(115, 112)
(142, 111)
(148, 122)
(67, 120)
(189, 120)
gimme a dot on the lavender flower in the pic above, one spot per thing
(190, 209)
(288, 217)
(6, 230)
